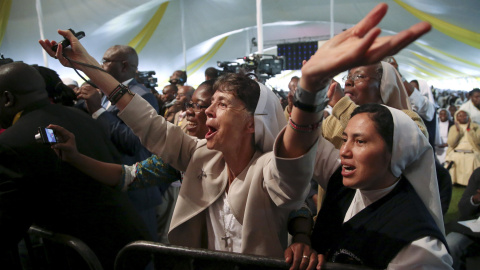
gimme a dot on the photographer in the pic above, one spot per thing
(36, 188)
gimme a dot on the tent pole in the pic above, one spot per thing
(182, 25)
(40, 26)
(332, 31)
(260, 26)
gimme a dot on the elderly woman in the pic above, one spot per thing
(377, 83)
(463, 153)
(236, 194)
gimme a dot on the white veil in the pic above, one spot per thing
(269, 119)
(413, 157)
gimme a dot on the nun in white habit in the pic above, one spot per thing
(382, 194)
(235, 195)
(378, 83)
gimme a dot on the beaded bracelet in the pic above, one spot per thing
(118, 93)
(304, 128)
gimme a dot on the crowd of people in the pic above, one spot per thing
(228, 167)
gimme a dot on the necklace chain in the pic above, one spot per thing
(226, 227)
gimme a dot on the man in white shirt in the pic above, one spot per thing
(473, 105)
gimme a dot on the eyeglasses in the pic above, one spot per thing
(196, 107)
(356, 77)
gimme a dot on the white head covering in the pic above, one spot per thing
(69, 81)
(269, 119)
(413, 157)
(423, 85)
(392, 90)
(449, 116)
(456, 113)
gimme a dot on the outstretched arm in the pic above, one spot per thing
(106, 173)
(77, 54)
(359, 45)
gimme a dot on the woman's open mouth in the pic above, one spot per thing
(347, 170)
(211, 132)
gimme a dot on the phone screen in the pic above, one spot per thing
(50, 136)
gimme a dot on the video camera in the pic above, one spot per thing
(263, 65)
(4, 61)
(147, 79)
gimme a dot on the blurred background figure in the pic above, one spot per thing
(444, 124)
(463, 153)
(179, 77)
(58, 92)
(472, 106)
(71, 83)
(292, 87)
(211, 73)
(461, 241)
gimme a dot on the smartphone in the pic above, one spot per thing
(46, 136)
(66, 42)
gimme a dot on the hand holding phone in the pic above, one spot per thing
(46, 136)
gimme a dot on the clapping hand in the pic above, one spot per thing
(335, 93)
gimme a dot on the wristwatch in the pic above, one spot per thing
(309, 101)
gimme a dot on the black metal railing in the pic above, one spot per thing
(75, 244)
(176, 257)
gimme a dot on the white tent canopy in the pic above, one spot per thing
(194, 35)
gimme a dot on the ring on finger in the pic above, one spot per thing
(305, 257)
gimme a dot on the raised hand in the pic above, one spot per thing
(335, 93)
(457, 125)
(76, 51)
(359, 45)
(92, 96)
(80, 59)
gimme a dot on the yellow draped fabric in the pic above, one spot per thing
(197, 64)
(461, 34)
(429, 48)
(139, 42)
(438, 65)
(5, 6)
(440, 73)
(425, 74)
